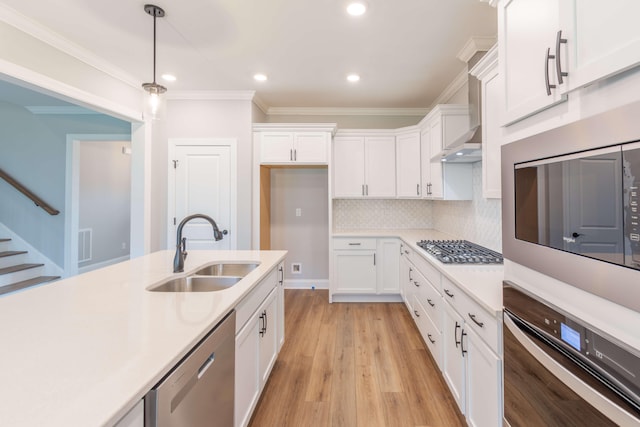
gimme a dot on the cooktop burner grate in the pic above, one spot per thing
(460, 252)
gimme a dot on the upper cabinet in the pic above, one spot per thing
(408, 165)
(447, 122)
(364, 166)
(551, 47)
(280, 144)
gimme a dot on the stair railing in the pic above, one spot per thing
(24, 190)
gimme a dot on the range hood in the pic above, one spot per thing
(467, 148)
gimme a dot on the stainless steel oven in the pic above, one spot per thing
(560, 372)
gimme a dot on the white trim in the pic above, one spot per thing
(59, 109)
(72, 195)
(473, 45)
(457, 84)
(102, 264)
(486, 64)
(211, 95)
(366, 298)
(262, 106)
(18, 243)
(367, 132)
(295, 127)
(30, 79)
(321, 111)
(306, 284)
(44, 34)
(492, 3)
(232, 143)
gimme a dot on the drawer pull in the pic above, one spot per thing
(430, 303)
(355, 244)
(416, 312)
(449, 294)
(462, 343)
(415, 282)
(473, 317)
(410, 278)
(431, 339)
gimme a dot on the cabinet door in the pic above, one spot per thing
(348, 166)
(425, 161)
(435, 135)
(276, 147)
(527, 30)
(247, 373)
(454, 364)
(380, 166)
(484, 373)
(491, 136)
(311, 147)
(437, 184)
(280, 285)
(408, 165)
(388, 263)
(355, 271)
(268, 323)
(603, 38)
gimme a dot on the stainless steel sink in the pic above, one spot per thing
(196, 284)
(224, 269)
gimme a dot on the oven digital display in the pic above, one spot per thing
(570, 336)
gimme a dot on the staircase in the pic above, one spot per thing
(16, 272)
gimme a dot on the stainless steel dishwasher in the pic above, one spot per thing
(199, 391)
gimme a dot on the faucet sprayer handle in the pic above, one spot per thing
(184, 247)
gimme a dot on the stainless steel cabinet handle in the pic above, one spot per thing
(295, 155)
(431, 303)
(473, 317)
(282, 276)
(266, 320)
(548, 85)
(363, 189)
(449, 294)
(367, 189)
(415, 282)
(291, 155)
(431, 339)
(417, 189)
(410, 278)
(416, 312)
(455, 334)
(355, 244)
(374, 259)
(559, 72)
(462, 343)
(262, 326)
(400, 250)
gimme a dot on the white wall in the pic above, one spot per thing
(306, 237)
(189, 118)
(105, 198)
(33, 151)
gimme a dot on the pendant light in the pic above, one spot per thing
(154, 89)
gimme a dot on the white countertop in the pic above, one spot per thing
(84, 350)
(483, 283)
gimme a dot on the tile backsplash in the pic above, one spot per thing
(477, 220)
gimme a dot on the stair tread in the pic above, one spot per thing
(11, 253)
(18, 267)
(26, 283)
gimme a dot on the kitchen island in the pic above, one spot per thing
(85, 350)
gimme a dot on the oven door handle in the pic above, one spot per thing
(611, 410)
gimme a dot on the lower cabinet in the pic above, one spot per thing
(257, 344)
(280, 328)
(134, 418)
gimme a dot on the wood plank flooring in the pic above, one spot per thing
(353, 365)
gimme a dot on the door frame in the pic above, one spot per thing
(72, 196)
(232, 143)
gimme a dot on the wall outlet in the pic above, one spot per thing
(296, 268)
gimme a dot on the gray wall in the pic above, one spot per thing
(105, 198)
(305, 237)
(33, 151)
(350, 122)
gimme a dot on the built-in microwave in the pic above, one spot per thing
(571, 204)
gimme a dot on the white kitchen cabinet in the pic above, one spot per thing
(486, 70)
(257, 320)
(408, 165)
(364, 166)
(388, 266)
(447, 123)
(483, 391)
(280, 147)
(603, 38)
(454, 363)
(134, 418)
(355, 271)
(406, 268)
(280, 328)
(527, 36)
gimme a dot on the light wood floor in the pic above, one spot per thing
(352, 365)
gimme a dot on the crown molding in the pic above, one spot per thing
(296, 127)
(334, 111)
(492, 3)
(262, 106)
(44, 34)
(473, 45)
(457, 84)
(59, 109)
(211, 95)
(488, 62)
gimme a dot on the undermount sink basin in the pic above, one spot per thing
(196, 284)
(224, 269)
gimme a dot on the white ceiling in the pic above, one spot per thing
(404, 50)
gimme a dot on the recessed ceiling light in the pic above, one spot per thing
(260, 77)
(459, 153)
(169, 77)
(353, 77)
(356, 8)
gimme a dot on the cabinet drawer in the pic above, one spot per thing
(432, 302)
(430, 334)
(428, 271)
(475, 317)
(354, 243)
(251, 302)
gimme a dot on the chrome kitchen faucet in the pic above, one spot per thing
(181, 242)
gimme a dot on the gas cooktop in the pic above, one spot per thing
(460, 252)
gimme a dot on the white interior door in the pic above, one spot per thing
(203, 186)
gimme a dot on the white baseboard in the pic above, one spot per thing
(307, 284)
(365, 298)
(106, 263)
(34, 256)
